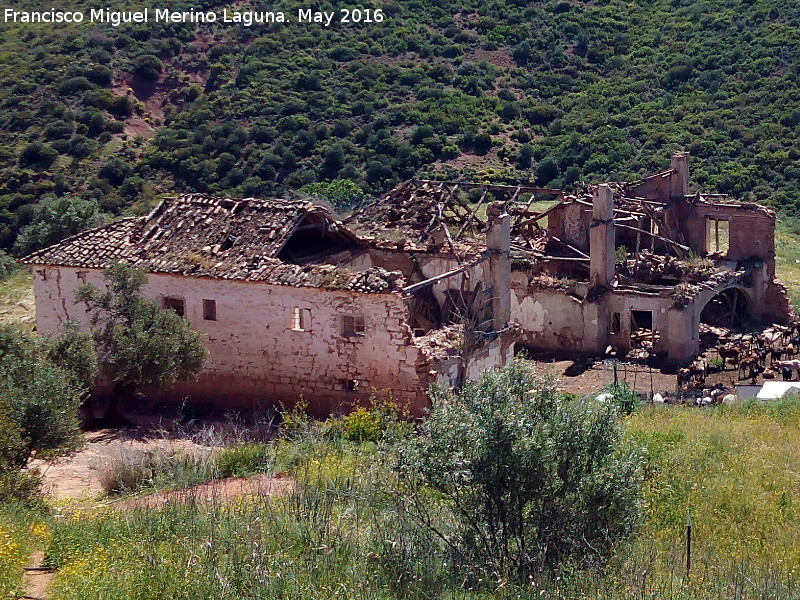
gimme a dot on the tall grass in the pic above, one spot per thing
(134, 470)
(787, 259)
(737, 472)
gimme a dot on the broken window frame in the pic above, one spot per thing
(353, 326)
(635, 323)
(615, 327)
(350, 385)
(713, 245)
(301, 319)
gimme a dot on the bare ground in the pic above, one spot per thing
(214, 492)
(586, 376)
(78, 477)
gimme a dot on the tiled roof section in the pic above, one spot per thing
(95, 248)
(219, 238)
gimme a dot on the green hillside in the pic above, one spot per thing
(554, 91)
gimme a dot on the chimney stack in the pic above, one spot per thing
(498, 241)
(601, 237)
(679, 182)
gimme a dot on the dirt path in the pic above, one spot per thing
(37, 578)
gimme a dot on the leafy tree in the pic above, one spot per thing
(483, 143)
(42, 384)
(38, 154)
(343, 194)
(139, 343)
(529, 480)
(525, 156)
(547, 170)
(522, 53)
(333, 160)
(56, 218)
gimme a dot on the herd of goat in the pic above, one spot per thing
(770, 354)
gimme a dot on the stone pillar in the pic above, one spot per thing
(760, 278)
(601, 238)
(498, 240)
(683, 336)
(679, 182)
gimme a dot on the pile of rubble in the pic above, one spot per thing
(441, 343)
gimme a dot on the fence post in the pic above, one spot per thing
(688, 543)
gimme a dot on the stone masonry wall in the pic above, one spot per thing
(255, 358)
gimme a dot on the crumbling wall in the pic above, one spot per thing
(419, 266)
(552, 319)
(654, 187)
(490, 355)
(570, 223)
(254, 355)
(751, 230)
(677, 329)
(751, 235)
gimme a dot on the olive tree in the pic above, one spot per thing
(513, 479)
(42, 384)
(138, 342)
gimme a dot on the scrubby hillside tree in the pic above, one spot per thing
(42, 385)
(56, 218)
(528, 480)
(139, 343)
(343, 194)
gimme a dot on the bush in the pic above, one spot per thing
(244, 460)
(8, 266)
(530, 480)
(625, 398)
(343, 194)
(148, 67)
(381, 420)
(39, 398)
(135, 470)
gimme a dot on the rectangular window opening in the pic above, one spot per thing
(717, 236)
(642, 319)
(301, 319)
(210, 310)
(176, 304)
(353, 325)
(616, 323)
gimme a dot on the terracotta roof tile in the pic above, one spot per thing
(215, 237)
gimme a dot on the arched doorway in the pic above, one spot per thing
(729, 308)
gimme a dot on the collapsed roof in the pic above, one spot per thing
(252, 240)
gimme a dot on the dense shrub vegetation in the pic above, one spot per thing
(534, 480)
(554, 91)
(349, 527)
(42, 384)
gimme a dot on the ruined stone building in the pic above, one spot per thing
(292, 303)
(432, 283)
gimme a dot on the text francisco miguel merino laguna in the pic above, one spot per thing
(163, 15)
